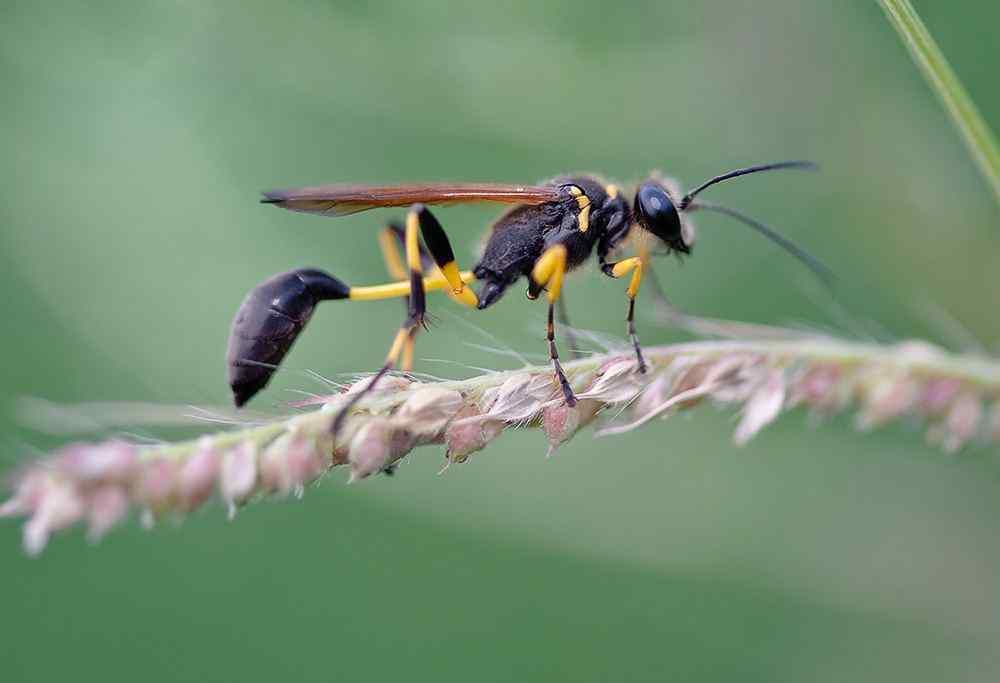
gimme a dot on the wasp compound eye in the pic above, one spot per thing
(267, 323)
(656, 212)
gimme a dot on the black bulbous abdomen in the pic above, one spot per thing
(267, 323)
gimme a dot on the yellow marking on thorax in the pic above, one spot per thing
(611, 191)
(583, 201)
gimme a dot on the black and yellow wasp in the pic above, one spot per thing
(553, 228)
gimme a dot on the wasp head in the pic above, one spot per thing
(655, 210)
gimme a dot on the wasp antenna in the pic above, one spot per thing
(814, 264)
(686, 199)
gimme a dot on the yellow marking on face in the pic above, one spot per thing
(549, 270)
(611, 191)
(399, 289)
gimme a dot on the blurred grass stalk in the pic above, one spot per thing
(928, 56)
(956, 397)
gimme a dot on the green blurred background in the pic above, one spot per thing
(137, 136)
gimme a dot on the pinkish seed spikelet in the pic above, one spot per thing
(519, 398)
(378, 444)
(238, 475)
(689, 379)
(617, 382)
(108, 461)
(106, 506)
(937, 394)
(885, 398)
(763, 407)
(388, 384)
(59, 506)
(303, 459)
(369, 450)
(962, 422)
(918, 351)
(28, 492)
(275, 477)
(653, 395)
(197, 476)
(511, 386)
(560, 422)
(818, 387)
(156, 484)
(430, 408)
(692, 385)
(735, 378)
(466, 434)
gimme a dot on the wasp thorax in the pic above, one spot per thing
(656, 212)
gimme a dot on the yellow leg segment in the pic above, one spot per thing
(406, 364)
(393, 290)
(634, 265)
(550, 269)
(398, 343)
(390, 254)
(454, 279)
(624, 267)
(465, 295)
(412, 240)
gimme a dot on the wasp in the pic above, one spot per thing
(551, 229)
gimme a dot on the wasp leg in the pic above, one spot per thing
(635, 265)
(562, 317)
(392, 237)
(402, 344)
(393, 290)
(548, 273)
(389, 238)
(443, 255)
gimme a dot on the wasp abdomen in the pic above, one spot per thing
(267, 323)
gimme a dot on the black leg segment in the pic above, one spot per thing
(554, 355)
(633, 337)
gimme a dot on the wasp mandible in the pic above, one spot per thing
(553, 228)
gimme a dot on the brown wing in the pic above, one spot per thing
(341, 200)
